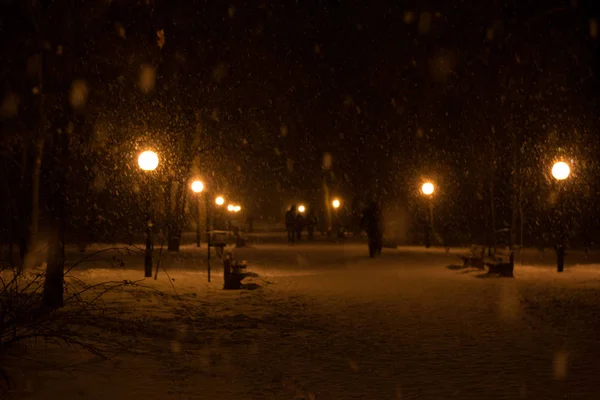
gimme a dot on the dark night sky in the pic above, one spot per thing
(394, 90)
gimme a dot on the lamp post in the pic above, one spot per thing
(231, 209)
(560, 172)
(148, 161)
(198, 187)
(336, 203)
(427, 189)
(219, 201)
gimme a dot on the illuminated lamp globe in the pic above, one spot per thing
(561, 170)
(148, 161)
(301, 209)
(230, 207)
(220, 200)
(197, 186)
(427, 188)
(237, 208)
(336, 203)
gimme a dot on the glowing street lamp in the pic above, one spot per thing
(237, 209)
(197, 187)
(337, 223)
(301, 208)
(427, 189)
(148, 161)
(560, 172)
(220, 200)
(230, 208)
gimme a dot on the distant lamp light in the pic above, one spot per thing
(230, 208)
(336, 204)
(427, 188)
(220, 200)
(237, 209)
(301, 209)
(197, 186)
(561, 170)
(148, 161)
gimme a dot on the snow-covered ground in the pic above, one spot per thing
(327, 322)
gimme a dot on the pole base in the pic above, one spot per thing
(560, 258)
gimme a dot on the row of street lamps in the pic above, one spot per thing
(560, 171)
(335, 203)
(198, 187)
(148, 162)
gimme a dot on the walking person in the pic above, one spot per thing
(290, 223)
(299, 226)
(311, 223)
(372, 224)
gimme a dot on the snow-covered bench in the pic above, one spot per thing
(233, 273)
(503, 265)
(475, 257)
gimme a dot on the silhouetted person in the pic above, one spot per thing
(299, 226)
(250, 222)
(311, 223)
(371, 223)
(290, 223)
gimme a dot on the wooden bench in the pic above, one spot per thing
(475, 258)
(233, 274)
(502, 263)
(502, 267)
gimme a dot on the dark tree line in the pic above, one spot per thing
(251, 97)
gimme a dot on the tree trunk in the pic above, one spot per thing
(174, 231)
(40, 132)
(174, 237)
(522, 221)
(35, 190)
(515, 186)
(327, 205)
(492, 232)
(54, 284)
(23, 209)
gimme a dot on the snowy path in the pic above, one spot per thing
(336, 325)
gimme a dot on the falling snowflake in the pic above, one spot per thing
(10, 105)
(160, 35)
(120, 30)
(424, 23)
(147, 78)
(79, 94)
(327, 161)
